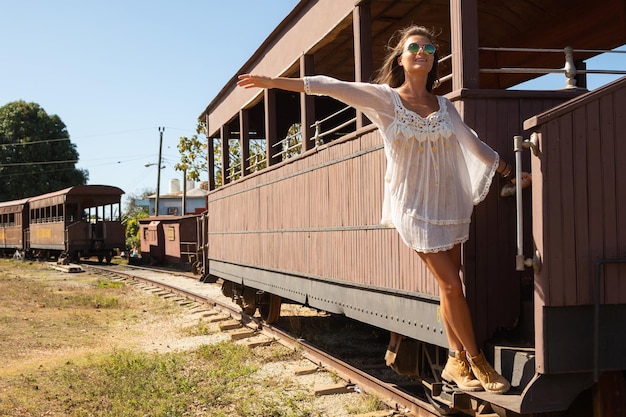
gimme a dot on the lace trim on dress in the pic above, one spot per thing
(307, 85)
(488, 181)
(412, 125)
(442, 248)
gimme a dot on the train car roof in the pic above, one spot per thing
(13, 206)
(167, 218)
(583, 24)
(98, 194)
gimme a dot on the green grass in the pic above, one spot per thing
(216, 377)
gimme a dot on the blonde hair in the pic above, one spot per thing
(391, 72)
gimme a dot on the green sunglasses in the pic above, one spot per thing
(428, 48)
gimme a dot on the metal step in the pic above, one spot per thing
(516, 364)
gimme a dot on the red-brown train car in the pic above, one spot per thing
(169, 240)
(79, 221)
(13, 225)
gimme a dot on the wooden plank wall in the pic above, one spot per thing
(582, 199)
(318, 216)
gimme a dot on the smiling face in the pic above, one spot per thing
(419, 61)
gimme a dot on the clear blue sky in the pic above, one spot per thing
(116, 70)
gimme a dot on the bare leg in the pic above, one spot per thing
(445, 266)
(456, 315)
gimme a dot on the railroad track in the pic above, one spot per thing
(399, 399)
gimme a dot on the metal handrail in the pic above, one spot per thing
(569, 68)
(520, 260)
(258, 160)
(318, 136)
(285, 149)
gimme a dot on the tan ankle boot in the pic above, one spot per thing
(457, 370)
(488, 377)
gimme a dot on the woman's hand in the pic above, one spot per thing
(263, 81)
(509, 189)
(527, 179)
(251, 80)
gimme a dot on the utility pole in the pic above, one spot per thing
(158, 190)
(184, 202)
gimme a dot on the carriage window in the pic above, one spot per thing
(171, 233)
(71, 212)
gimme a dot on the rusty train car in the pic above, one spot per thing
(76, 222)
(543, 270)
(170, 240)
(13, 224)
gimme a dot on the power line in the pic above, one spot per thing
(15, 164)
(34, 142)
(19, 174)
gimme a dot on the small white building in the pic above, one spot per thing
(172, 202)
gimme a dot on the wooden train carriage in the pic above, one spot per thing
(83, 220)
(306, 227)
(151, 239)
(169, 239)
(13, 223)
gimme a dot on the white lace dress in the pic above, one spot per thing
(437, 167)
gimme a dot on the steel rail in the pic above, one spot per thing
(390, 394)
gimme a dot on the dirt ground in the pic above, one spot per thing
(50, 318)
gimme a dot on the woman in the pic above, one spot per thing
(437, 170)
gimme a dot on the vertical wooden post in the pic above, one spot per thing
(270, 127)
(224, 136)
(464, 44)
(363, 59)
(307, 105)
(244, 141)
(210, 156)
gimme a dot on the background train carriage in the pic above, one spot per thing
(13, 224)
(306, 227)
(75, 222)
(169, 240)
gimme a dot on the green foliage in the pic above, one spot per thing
(132, 214)
(36, 154)
(292, 145)
(193, 154)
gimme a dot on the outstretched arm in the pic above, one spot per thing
(263, 81)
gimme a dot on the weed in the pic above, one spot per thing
(110, 284)
(199, 329)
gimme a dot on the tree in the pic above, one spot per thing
(193, 154)
(132, 214)
(36, 155)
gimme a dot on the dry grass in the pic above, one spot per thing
(80, 345)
